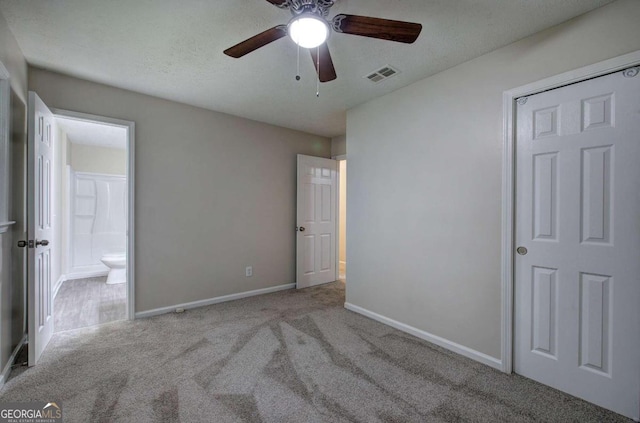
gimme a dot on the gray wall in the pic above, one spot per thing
(339, 146)
(424, 210)
(11, 258)
(214, 192)
(12, 59)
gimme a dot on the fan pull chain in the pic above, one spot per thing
(298, 72)
(318, 66)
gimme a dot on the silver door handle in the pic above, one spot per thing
(22, 244)
(302, 229)
(44, 242)
(522, 251)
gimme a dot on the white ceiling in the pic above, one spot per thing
(93, 133)
(173, 49)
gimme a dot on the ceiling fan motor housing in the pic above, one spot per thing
(316, 7)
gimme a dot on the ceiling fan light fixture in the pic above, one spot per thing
(308, 30)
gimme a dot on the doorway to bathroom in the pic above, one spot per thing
(92, 217)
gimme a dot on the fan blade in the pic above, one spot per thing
(257, 41)
(385, 29)
(326, 72)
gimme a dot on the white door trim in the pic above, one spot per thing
(5, 122)
(338, 159)
(508, 178)
(67, 216)
(131, 137)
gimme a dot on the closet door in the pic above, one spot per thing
(578, 235)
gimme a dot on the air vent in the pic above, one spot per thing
(382, 74)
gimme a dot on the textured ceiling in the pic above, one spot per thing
(173, 49)
(93, 133)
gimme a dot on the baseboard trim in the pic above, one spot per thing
(216, 300)
(58, 284)
(434, 339)
(11, 361)
(83, 275)
(74, 276)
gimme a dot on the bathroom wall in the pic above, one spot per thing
(86, 242)
(91, 158)
(214, 193)
(98, 220)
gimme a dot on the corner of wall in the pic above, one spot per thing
(339, 146)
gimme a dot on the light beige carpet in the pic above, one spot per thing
(293, 356)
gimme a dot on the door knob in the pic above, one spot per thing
(522, 251)
(44, 243)
(22, 244)
(302, 229)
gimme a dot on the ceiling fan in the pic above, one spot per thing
(309, 28)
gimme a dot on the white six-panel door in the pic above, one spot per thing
(577, 291)
(316, 221)
(41, 133)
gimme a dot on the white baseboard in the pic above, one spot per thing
(434, 339)
(83, 275)
(216, 300)
(73, 276)
(58, 284)
(10, 362)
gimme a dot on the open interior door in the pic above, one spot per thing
(317, 220)
(41, 130)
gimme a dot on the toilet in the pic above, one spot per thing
(117, 264)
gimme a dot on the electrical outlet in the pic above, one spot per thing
(248, 271)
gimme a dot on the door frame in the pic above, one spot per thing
(5, 140)
(338, 159)
(509, 99)
(131, 137)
